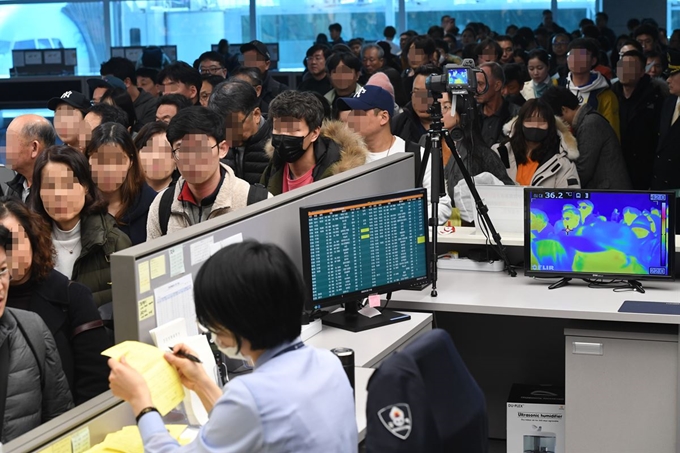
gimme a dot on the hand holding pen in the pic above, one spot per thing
(185, 355)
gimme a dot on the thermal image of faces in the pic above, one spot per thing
(605, 233)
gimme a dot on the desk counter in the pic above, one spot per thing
(372, 346)
(470, 236)
(496, 293)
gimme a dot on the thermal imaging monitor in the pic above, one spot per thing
(599, 235)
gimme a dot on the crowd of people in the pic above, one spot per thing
(157, 146)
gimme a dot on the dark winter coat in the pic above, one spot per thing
(667, 162)
(133, 223)
(32, 398)
(600, 163)
(640, 117)
(250, 160)
(68, 310)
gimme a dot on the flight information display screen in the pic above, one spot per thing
(364, 246)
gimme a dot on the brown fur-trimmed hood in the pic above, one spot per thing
(568, 144)
(353, 150)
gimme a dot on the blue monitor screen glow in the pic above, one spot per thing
(458, 76)
(364, 246)
(599, 234)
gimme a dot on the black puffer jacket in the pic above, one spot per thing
(68, 310)
(32, 399)
(250, 160)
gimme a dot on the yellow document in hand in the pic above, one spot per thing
(163, 381)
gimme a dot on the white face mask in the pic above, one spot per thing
(232, 351)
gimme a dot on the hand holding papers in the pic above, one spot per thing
(162, 380)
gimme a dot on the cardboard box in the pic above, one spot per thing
(536, 419)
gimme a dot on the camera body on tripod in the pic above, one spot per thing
(456, 79)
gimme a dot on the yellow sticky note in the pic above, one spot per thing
(80, 440)
(63, 446)
(126, 441)
(157, 267)
(146, 308)
(144, 277)
(161, 377)
(421, 239)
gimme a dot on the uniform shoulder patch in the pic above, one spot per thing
(396, 418)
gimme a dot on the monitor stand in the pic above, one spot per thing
(352, 320)
(560, 283)
(632, 284)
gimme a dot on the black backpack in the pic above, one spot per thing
(257, 192)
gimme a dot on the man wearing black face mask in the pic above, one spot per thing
(302, 150)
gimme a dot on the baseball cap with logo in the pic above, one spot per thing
(106, 82)
(73, 98)
(368, 98)
(257, 46)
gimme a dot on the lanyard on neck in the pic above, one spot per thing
(290, 348)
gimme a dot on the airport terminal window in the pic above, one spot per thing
(295, 25)
(673, 15)
(189, 24)
(497, 14)
(52, 26)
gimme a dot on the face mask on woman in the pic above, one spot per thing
(534, 134)
(230, 351)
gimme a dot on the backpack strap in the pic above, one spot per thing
(164, 208)
(257, 192)
(35, 342)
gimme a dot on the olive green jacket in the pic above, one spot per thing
(100, 237)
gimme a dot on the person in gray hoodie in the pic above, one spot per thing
(600, 164)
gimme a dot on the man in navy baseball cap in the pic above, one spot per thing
(371, 110)
(368, 98)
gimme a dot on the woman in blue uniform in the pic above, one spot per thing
(298, 398)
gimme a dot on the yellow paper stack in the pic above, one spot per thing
(161, 377)
(128, 440)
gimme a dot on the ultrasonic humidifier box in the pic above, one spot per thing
(535, 419)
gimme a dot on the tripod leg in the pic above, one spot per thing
(481, 207)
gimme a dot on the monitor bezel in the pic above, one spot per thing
(307, 264)
(528, 272)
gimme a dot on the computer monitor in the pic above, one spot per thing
(599, 235)
(355, 248)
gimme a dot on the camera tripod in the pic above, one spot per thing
(433, 153)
